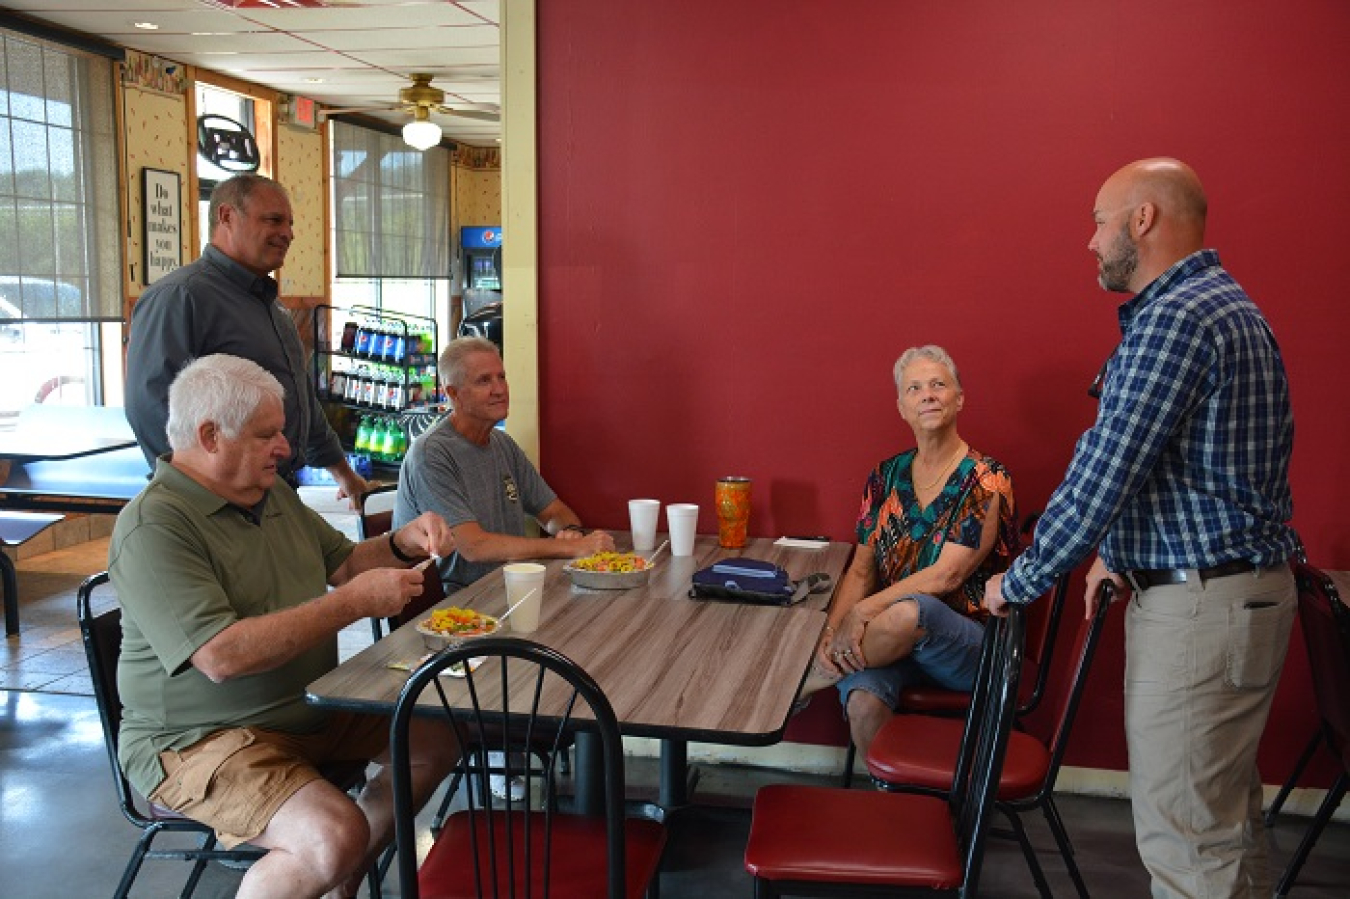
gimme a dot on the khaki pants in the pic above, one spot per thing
(1202, 664)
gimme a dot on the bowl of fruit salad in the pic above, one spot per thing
(609, 571)
(452, 626)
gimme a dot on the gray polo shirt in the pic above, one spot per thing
(215, 305)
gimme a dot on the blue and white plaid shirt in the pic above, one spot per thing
(1187, 464)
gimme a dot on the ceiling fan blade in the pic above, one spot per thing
(347, 109)
(480, 114)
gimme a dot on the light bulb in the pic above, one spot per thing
(421, 135)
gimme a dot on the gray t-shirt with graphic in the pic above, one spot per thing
(494, 485)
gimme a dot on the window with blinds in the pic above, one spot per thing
(60, 225)
(391, 206)
(60, 248)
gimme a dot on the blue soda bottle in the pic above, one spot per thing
(362, 345)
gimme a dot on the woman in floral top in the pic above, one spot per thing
(936, 522)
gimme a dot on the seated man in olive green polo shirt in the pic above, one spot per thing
(224, 576)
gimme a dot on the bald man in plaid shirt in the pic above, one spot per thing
(1182, 486)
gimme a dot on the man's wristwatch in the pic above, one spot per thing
(573, 527)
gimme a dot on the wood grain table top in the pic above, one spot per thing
(672, 667)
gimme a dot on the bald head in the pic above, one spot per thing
(1150, 215)
(1172, 186)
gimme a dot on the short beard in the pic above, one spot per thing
(1117, 269)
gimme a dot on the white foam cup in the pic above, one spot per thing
(642, 517)
(682, 519)
(521, 578)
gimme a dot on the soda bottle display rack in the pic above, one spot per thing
(379, 361)
(375, 369)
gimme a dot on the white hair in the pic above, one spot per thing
(933, 353)
(455, 357)
(225, 390)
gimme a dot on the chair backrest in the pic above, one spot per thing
(543, 697)
(984, 744)
(1326, 630)
(1043, 620)
(375, 510)
(102, 636)
(1042, 628)
(1083, 649)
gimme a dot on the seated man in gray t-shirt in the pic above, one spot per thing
(476, 477)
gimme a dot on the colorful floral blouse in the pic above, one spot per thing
(906, 537)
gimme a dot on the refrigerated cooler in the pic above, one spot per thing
(481, 264)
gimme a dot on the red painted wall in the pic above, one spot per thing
(748, 210)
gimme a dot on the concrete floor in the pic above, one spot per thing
(61, 835)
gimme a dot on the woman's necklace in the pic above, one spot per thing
(946, 469)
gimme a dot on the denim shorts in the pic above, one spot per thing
(948, 656)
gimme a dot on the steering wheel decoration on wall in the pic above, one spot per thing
(227, 144)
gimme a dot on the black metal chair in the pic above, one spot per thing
(826, 841)
(1043, 620)
(102, 636)
(1326, 629)
(916, 753)
(522, 694)
(375, 516)
(1042, 628)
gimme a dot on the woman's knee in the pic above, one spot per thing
(892, 634)
(901, 619)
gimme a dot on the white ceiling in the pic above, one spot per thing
(341, 53)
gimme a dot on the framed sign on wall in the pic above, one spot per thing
(162, 220)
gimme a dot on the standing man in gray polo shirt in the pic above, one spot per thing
(226, 302)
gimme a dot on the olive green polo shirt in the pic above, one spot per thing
(186, 565)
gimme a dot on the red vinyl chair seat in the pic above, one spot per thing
(819, 834)
(918, 752)
(577, 860)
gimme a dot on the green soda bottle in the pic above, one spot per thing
(389, 441)
(363, 435)
(377, 435)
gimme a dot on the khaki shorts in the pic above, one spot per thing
(235, 780)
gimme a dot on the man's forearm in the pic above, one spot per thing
(256, 645)
(506, 548)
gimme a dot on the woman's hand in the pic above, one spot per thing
(825, 655)
(845, 649)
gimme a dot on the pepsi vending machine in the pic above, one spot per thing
(481, 246)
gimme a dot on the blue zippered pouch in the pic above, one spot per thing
(753, 581)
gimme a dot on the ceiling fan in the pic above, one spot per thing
(420, 100)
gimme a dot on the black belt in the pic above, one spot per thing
(1143, 579)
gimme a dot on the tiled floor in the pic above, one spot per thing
(61, 835)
